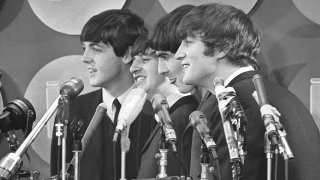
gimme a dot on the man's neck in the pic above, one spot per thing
(119, 86)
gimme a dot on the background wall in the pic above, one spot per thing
(290, 49)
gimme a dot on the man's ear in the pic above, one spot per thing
(127, 58)
(219, 54)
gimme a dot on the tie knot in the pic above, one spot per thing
(116, 104)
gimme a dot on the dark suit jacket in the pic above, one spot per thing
(295, 118)
(179, 113)
(97, 161)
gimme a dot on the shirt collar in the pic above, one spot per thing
(237, 72)
(108, 99)
(174, 97)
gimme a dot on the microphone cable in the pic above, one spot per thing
(176, 155)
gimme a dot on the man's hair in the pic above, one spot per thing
(165, 37)
(119, 28)
(224, 28)
(141, 45)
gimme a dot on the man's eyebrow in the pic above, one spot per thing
(162, 54)
(95, 44)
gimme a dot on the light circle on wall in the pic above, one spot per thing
(245, 5)
(69, 16)
(44, 88)
(309, 8)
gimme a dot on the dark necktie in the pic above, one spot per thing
(116, 146)
(117, 105)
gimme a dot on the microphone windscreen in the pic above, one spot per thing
(132, 106)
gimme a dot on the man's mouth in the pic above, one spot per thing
(139, 79)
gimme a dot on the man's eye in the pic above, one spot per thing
(96, 50)
(145, 60)
(187, 43)
(163, 58)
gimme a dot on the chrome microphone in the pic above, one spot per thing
(224, 95)
(199, 122)
(160, 106)
(72, 88)
(274, 129)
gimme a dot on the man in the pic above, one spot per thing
(107, 39)
(166, 42)
(145, 72)
(221, 41)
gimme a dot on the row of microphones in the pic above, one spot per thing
(10, 164)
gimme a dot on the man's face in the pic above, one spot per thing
(172, 68)
(102, 63)
(145, 73)
(197, 67)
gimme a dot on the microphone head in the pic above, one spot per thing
(256, 76)
(158, 100)
(72, 88)
(196, 118)
(218, 85)
(21, 114)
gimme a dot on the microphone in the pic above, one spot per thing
(274, 128)
(18, 114)
(94, 123)
(69, 90)
(267, 118)
(199, 122)
(224, 95)
(72, 88)
(160, 106)
(132, 106)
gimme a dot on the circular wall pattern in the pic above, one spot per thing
(245, 5)
(69, 16)
(44, 89)
(309, 8)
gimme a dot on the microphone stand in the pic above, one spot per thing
(268, 150)
(236, 158)
(204, 162)
(62, 121)
(162, 156)
(76, 127)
